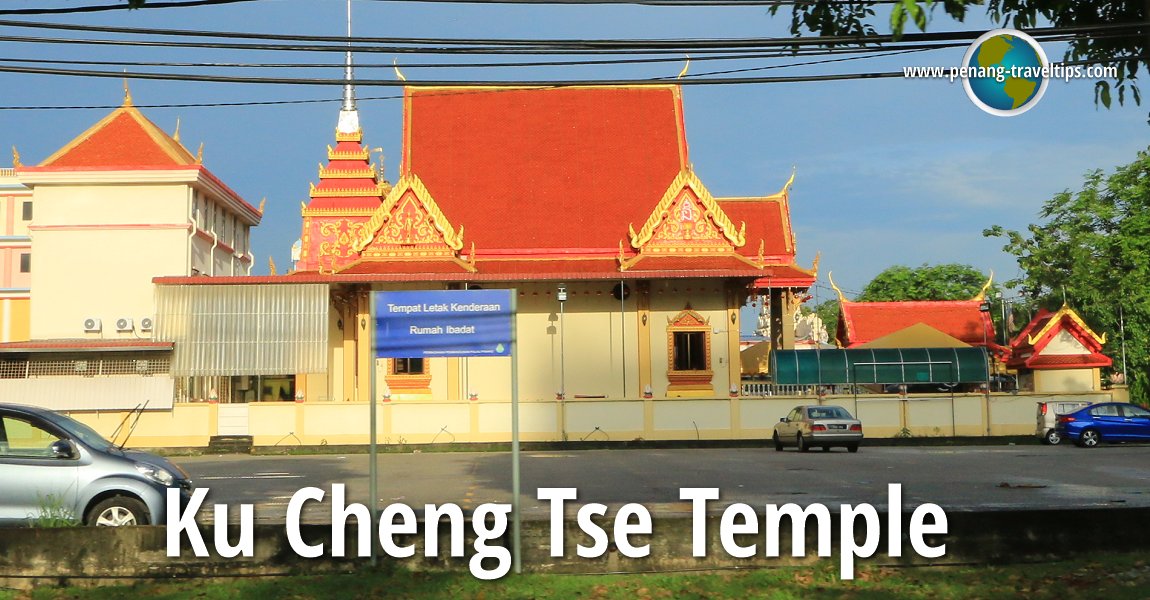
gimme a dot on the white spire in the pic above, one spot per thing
(348, 116)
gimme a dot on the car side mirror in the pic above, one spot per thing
(783, 420)
(64, 449)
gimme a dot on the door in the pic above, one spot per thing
(33, 482)
(232, 419)
(1110, 423)
(1137, 422)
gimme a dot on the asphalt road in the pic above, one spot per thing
(956, 478)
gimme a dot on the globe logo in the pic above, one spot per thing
(1008, 72)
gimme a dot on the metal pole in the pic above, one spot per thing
(623, 335)
(516, 558)
(372, 467)
(1122, 334)
(562, 354)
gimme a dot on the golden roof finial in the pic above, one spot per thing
(176, 135)
(815, 265)
(395, 65)
(127, 93)
(15, 158)
(790, 181)
(200, 154)
(263, 201)
(842, 297)
(381, 157)
(686, 66)
(271, 266)
(302, 206)
(981, 295)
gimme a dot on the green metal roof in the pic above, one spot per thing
(879, 365)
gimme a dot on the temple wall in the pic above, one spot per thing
(286, 424)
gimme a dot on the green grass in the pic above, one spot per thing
(1113, 577)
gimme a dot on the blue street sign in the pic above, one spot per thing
(443, 323)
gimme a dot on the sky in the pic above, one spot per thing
(889, 171)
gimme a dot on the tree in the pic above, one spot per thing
(1093, 252)
(1126, 48)
(938, 282)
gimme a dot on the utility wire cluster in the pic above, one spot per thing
(747, 58)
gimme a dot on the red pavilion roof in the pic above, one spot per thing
(1031, 347)
(863, 322)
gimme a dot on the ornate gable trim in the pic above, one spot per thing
(1083, 334)
(410, 186)
(674, 198)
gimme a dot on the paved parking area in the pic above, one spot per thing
(956, 478)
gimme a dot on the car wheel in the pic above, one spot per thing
(853, 448)
(1053, 437)
(1089, 438)
(802, 443)
(778, 443)
(118, 511)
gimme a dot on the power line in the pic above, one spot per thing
(662, 3)
(119, 6)
(860, 53)
(478, 44)
(689, 80)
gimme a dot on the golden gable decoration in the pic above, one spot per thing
(688, 220)
(409, 224)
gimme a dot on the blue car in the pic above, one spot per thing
(1106, 422)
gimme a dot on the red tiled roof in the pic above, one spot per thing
(767, 220)
(545, 167)
(125, 138)
(862, 322)
(1033, 355)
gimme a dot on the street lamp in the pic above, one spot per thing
(561, 295)
(984, 308)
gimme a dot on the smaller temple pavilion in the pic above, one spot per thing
(1058, 352)
(919, 323)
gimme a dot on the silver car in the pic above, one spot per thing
(52, 466)
(818, 425)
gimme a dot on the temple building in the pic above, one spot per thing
(1058, 352)
(630, 274)
(121, 203)
(917, 323)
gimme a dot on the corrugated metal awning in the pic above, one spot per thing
(879, 365)
(244, 329)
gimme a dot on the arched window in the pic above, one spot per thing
(688, 352)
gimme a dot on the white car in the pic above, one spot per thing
(818, 425)
(1047, 418)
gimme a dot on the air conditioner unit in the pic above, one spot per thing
(146, 324)
(92, 325)
(123, 324)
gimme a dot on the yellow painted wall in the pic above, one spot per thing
(15, 319)
(329, 423)
(1066, 380)
(668, 299)
(96, 251)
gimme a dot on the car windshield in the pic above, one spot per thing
(828, 412)
(76, 429)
